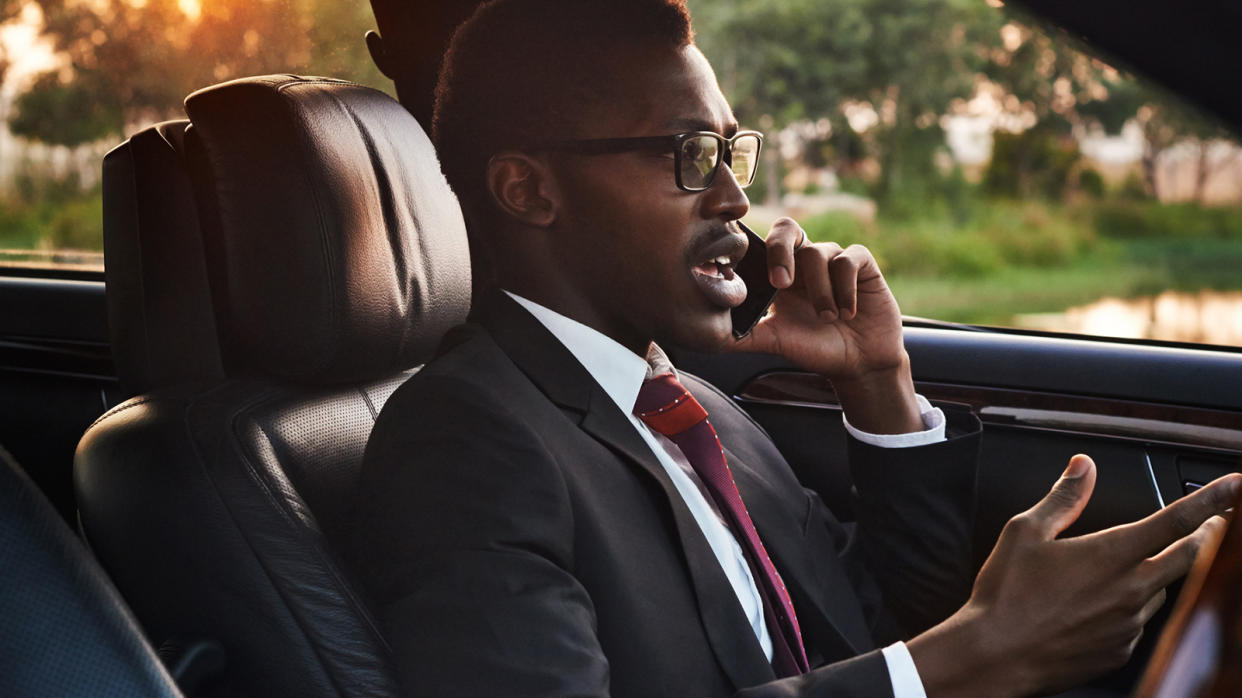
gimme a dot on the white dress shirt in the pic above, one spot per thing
(621, 372)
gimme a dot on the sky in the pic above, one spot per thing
(30, 54)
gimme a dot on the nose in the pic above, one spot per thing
(724, 199)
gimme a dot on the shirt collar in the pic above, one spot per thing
(619, 371)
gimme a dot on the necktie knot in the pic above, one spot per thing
(667, 407)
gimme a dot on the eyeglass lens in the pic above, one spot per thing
(700, 156)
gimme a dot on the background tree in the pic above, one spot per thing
(1044, 79)
(131, 63)
(907, 60)
(1165, 121)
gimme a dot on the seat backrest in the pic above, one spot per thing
(66, 631)
(336, 257)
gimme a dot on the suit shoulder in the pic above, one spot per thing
(469, 372)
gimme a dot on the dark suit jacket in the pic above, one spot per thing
(518, 537)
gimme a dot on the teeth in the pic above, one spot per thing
(722, 260)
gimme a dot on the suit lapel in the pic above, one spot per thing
(552, 368)
(823, 595)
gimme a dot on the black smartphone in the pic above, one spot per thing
(753, 268)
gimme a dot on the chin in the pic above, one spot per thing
(706, 335)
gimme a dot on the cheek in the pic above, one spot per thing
(638, 237)
(632, 227)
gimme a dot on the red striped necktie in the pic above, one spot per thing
(669, 409)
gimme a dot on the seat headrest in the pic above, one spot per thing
(335, 248)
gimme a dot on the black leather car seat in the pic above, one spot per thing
(160, 317)
(65, 630)
(335, 257)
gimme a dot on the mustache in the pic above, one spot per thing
(714, 237)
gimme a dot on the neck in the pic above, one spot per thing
(578, 309)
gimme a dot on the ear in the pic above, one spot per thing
(375, 45)
(523, 187)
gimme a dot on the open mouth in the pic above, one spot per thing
(718, 267)
(718, 280)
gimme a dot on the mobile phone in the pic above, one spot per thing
(753, 268)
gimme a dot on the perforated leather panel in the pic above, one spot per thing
(318, 445)
(217, 510)
(64, 630)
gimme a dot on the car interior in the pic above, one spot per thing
(187, 427)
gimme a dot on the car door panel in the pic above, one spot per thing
(56, 375)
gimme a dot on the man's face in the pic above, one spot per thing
(635, 249)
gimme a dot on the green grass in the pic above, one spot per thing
(53, 219)
(996, 259)
(995, 298)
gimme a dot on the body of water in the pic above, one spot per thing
(1209, 317)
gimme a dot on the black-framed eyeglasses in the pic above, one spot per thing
(697, 154)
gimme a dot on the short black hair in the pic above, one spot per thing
(521, 71)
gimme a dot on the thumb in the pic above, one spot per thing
(1062, 505)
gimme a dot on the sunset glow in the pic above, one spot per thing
(191, 8)
(30, 53)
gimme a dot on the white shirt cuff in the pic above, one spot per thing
(933, 432)
(902, 672)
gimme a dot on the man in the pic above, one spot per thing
(548, 512)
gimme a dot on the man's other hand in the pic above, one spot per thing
(1047, 614)
(836, 316)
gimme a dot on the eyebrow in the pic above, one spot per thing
(682, 125)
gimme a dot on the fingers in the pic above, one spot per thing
(1065, 502)
(828, 273)
(1182, 518)
(816, 277)
(830, 276)
(843, 271)
(1173, 562)
(782, 241)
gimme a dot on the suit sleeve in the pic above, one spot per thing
(466, 546)
(915, 523)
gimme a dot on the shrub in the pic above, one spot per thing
(1091, 183)
(17, 229)
(1152, 219)
(78, 224)
(51, 214)
(966, 240)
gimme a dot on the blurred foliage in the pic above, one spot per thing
(908, 60)
(127, 64)
(1091, 183)
(1132, 269)
(1130, 219)
(978, 237)
(911, 62)
(987, 259)
(49, 213)
(70, 114)
(1035, 162)
(131, 63)
(1165, 121)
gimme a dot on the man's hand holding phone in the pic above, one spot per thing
(835, 315)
